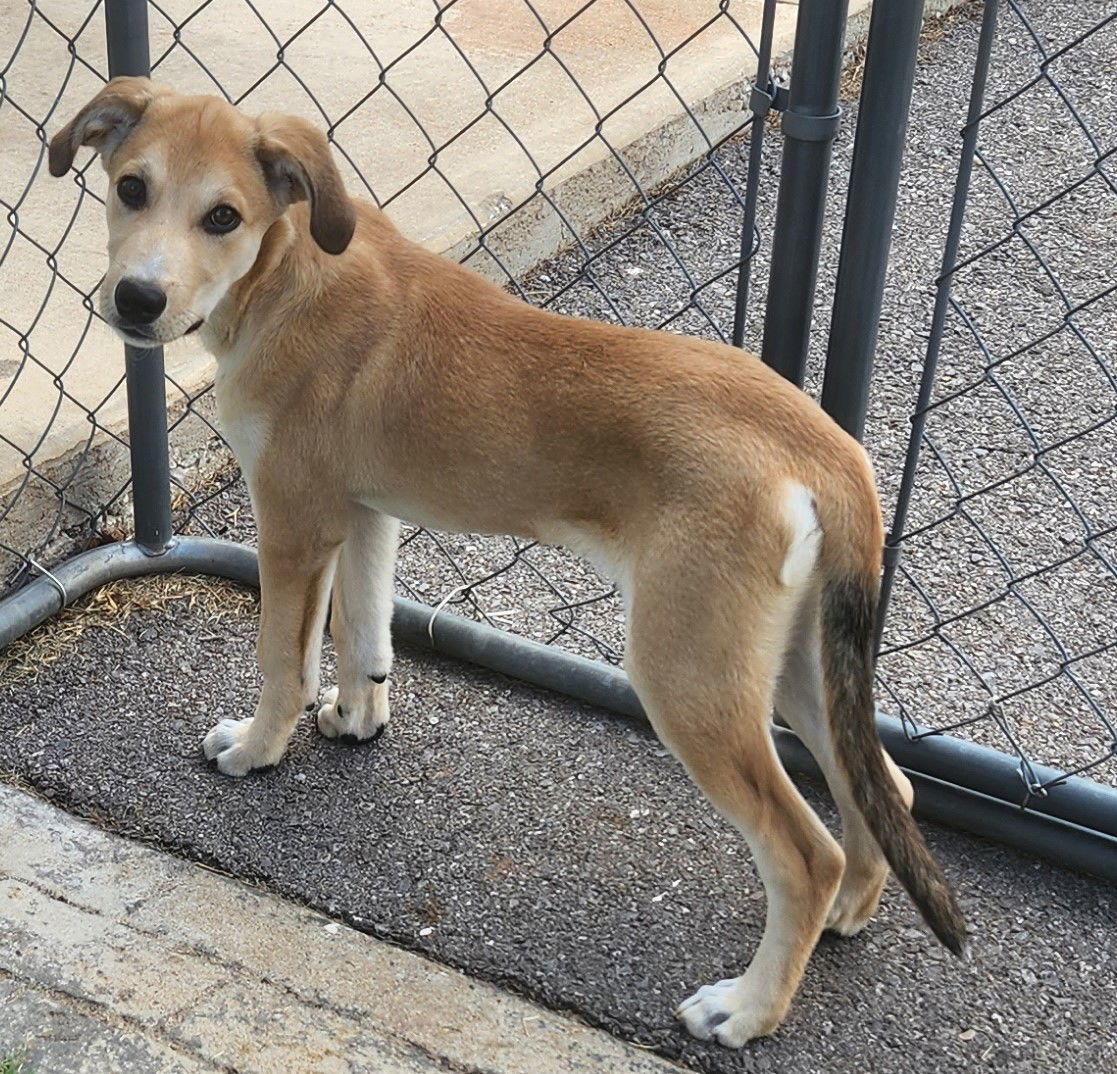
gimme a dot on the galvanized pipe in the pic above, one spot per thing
(942, 304)
(874, 179)
(127, 38)
(147, 442)
(761, 102)
(809, 127)
(49, 594)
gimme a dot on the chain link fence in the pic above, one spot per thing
(1003, 621)
(500, 156)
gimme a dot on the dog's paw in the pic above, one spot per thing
(362, 724)
(846, 920)
(726, 1013)
(237, 750)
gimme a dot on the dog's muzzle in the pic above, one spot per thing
(138, 303)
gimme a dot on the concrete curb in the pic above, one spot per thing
(120, 957)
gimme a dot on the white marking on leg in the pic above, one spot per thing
(801, 701)
(247, 433)
(739, 1009)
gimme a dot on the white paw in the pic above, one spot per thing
(365, 725)
(235, 748)
(725, 1013)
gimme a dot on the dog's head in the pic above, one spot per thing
(194, 186)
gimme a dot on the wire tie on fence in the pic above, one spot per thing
(763, 99)
(442, 604)
(890, 554)
(1032, 783)
(52, 579)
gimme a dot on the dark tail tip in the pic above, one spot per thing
(949, 927)
(849, 610)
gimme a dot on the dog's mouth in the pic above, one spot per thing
(137, 335)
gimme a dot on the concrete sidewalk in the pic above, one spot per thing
(116, 957)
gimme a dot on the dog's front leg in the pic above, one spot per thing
(295, 577)
(360, 622)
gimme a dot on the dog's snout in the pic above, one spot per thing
(138, 302)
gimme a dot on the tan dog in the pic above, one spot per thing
(362, 379)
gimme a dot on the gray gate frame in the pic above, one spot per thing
(1066, 819)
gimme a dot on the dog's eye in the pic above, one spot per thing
(220, 220)
(132, 191)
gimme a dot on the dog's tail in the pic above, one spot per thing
(848, 617)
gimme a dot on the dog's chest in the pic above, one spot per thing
(244, 427)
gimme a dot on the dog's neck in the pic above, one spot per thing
(224, 324)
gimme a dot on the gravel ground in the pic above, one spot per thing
(1002, 623)
(553, 849)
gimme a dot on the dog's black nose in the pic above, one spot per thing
(137, 302)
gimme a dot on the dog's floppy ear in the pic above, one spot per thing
(103, 123)
(298, 166)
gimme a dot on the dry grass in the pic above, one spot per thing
(109, 608)
(219, 469)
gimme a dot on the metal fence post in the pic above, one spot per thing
(761, 101)
(874, 179)
(809, 126)
(128, 54)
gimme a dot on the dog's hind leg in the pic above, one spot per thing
(296, 570)
(703, 661)
(360, 622)
(801, 702)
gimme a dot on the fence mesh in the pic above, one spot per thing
(499, 154)
(1002, 626)
(1003, 623)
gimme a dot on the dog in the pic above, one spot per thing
(362, 379)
